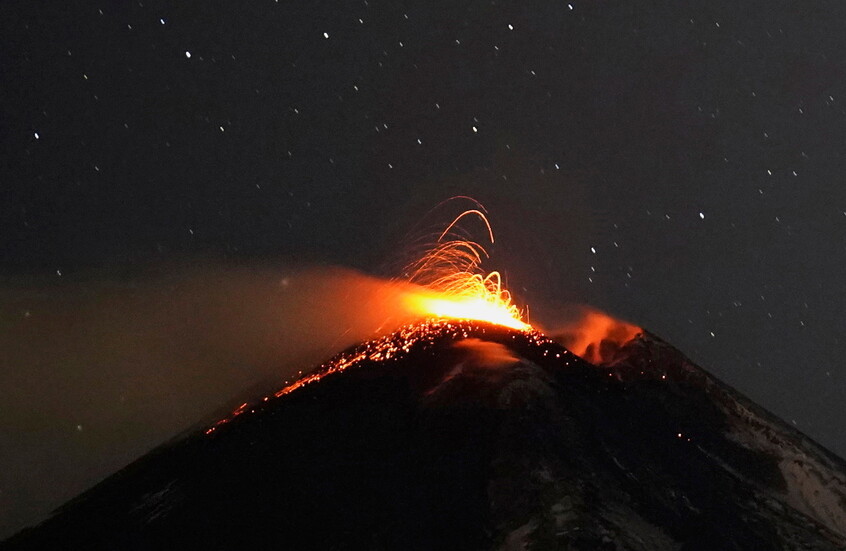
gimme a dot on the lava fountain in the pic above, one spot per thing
(454, 284)
(447, 291)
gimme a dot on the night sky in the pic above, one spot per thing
(680, 165)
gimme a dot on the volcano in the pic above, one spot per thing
(466, 435)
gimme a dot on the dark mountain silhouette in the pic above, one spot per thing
(463, 435)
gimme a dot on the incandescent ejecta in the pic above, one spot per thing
(457, 434)
(471, 429)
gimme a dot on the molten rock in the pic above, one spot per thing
(463, 435)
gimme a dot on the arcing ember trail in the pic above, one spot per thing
(449, 286)
(454, 285)
(471, 429)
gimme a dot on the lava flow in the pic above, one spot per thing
(448, 284)
(450, 295)
(392, 347)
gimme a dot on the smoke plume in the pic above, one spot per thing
(593, 335)
(95, 373)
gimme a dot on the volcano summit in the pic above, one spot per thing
(466, 435)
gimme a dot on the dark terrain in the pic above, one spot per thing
(477, 437)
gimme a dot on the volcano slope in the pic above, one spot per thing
(462, 435)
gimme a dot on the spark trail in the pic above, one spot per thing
(456, 287)
(452, 295)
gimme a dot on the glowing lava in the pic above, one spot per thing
(595, 336)
(472, 308)
(455, 286)
(452, 297)
(424, 334)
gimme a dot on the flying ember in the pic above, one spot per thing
(455, 285)
(451, 296)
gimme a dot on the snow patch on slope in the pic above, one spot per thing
(815, 484)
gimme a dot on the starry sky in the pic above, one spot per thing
(679, 165)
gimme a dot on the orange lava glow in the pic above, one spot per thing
(393, 346)
(596, 335)
(456, 287)
(471, 307)
(450, 296)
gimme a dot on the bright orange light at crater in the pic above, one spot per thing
(455, 285)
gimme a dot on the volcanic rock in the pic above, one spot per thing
(463, 435)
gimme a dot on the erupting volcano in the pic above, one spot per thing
(471, 429)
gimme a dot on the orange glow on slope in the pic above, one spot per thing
(447, 293)
(487, 354)
(455, 285)
(391, 347)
